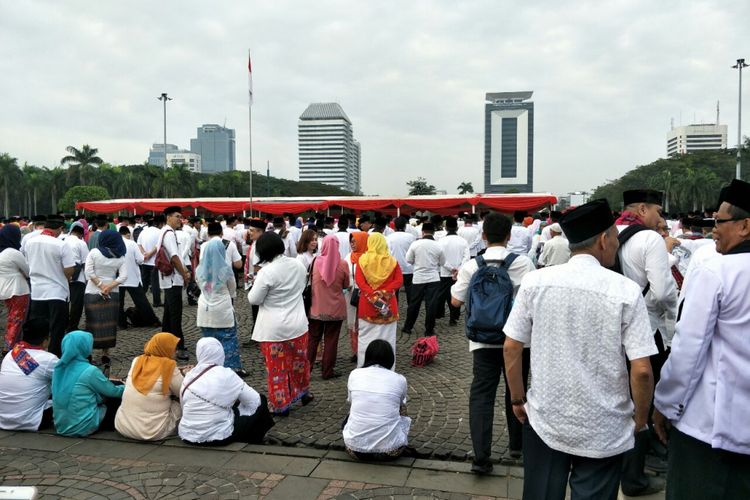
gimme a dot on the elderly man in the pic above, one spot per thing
(583, 323)
(555, 251)
(704, 390)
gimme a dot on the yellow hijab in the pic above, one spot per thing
(156, 361)
(377, 263)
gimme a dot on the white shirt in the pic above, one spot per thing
(306, 258)
(168, 239)
(133, 260)
(23, 398)
(185, 242)
(581, 320)
(517, 270)
(473, 237)
(296, 234)
(13, 274)
(277, 289)
(105, 270)
(148, 239)
(29, 236)
(47, 257)
(398, 244)
(290, 248)
(644, 259)
(555, 252)
(216, 310)
(455, 252)
(344, 246)
(80, 251)
(375, 424)
(520, 240)
(427, 258)
(231, 255)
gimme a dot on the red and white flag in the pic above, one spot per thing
(249, 77)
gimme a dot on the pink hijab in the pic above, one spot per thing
(329, 258)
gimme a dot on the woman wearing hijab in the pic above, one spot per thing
(281, 328)
(14, 284)
(217, 406)
(330, 277)
(358, 243)
(83, 399)
(378, 277)
(150, 406)
(105, 270)
(215, 315)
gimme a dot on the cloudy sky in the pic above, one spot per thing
(607, 78)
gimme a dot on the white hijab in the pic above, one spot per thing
(219, 385)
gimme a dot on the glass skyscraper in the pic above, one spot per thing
(215, 144)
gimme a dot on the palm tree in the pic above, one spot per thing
(9, 176)
(465, 187)
(56, 178)
(80, 160)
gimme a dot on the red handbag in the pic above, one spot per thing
(424, 350)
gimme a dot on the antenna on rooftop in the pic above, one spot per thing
(717, 113)
(671, 123)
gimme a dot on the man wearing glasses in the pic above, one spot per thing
(172, 284)
(704, 392)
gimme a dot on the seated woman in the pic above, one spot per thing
(377, 428)
(25, 378)
(83, 399)
(217, 406)
(150, 406)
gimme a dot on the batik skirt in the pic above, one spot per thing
(18, 308)
(101, 318)
(228, 339)
(288, 371)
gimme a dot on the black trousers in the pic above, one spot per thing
(172, 319)
(56, 314)
(138, 295)
(427, 292)
(488, 365)
(407, 287)
(77, 290)
(150, 278)
(247, 428)
(445, 297)
(546, 472)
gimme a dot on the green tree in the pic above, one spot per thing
(56, 178)
(82, 193)
(419, 186)
(80, 162)
(465, 187)
(9, 177)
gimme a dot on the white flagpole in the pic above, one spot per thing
(250, 124)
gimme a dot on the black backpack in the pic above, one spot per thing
(623, 238)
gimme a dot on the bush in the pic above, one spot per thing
(81, 193)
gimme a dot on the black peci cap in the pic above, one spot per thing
(642, 196)
(587, 221)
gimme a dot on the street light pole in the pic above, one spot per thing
(164, 97)
(740, 64)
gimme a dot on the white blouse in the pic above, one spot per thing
(216, 310)
(14, 273)
(100, 268)
(375, 424)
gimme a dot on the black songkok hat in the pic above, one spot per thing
(642, 196)
(587, 221)
(428, 226)
(39, 218)
(451, 223)
(258, 224)
(55, 221)
(172, 209)
(277, 221)
(737, 194)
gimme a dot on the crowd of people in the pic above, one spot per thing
(633, 325)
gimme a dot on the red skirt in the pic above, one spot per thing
(288, 371)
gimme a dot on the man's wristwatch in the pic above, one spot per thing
(518, 402)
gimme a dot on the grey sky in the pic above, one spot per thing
(607, 77)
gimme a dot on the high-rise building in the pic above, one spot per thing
(689, 138)
(328, 152)
(215, 145)
(509, 142)
(191, 160)
(156, 153)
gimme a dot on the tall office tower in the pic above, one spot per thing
(156, 153)
(215, 145)
(689, 138)
(328, 152)
(508, 142)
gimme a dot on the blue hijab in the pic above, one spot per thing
(213, 271)
(111, 244)
(76, 347)
(10, 237)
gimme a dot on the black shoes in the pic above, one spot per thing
(481, 469)
(307, 399)
(407, 331)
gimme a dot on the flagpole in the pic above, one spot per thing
(250, 125)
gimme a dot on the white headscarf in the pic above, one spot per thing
(219, 385)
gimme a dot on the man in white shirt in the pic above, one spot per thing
(132, 285)
(173, 283)
(471, 234)
(77, 285)
(456, 253)
(487, 359)
(554, 216)
(26, 381)
(440, 232)
(520, 239)
(147, 242)
(39, 222)
(427, 258)
(342, 235)
(398, 244)
(279, 227)
(293, 229)
(555, 251)
(583, 322)
(51, 266)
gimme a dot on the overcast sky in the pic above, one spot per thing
(607, 78)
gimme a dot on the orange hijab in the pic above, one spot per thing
(361, 238)
(157, 360)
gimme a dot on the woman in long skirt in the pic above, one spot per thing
(358, 243)
(105, 270)
(378, 277)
